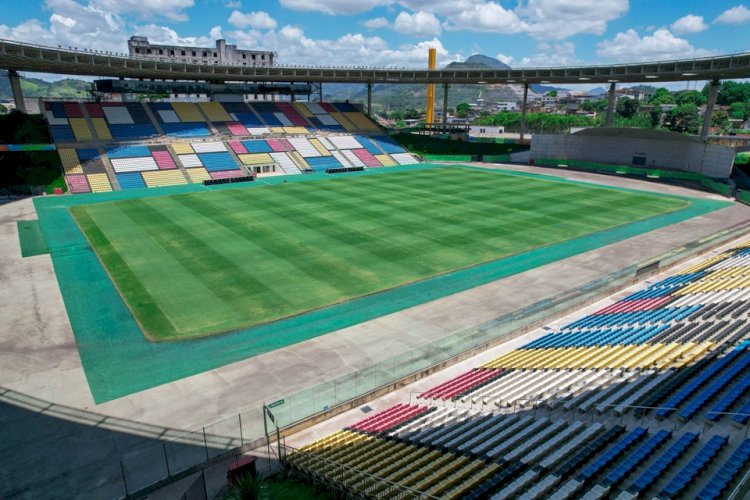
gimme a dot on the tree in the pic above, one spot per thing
(462, 109)
(626, 107)
(690, 97)
(730, 92)
(597, 106)
(684, 119)
(639, 120)
(396, 115)
(720, 120)
(412, 114)
(552, 93)
(739, 110)
(656, 116)
(661, 96)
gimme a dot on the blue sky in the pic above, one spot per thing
(398, 33)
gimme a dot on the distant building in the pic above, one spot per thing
(630, 93)
(506, 106)
(223, 54)
(486, 131)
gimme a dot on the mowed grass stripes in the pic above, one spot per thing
(190, 265)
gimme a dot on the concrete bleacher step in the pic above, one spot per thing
(517, 438)
(589, 390)
(643, 390)
(211, 126)
(537, 439)
(154, 121)
(665, 477)
(90, 124)
(713, 467)
(561, 439)
(567, 490)
(597, 492)
(541, 489)
(633, 383)
(285, 163)
(109, 169)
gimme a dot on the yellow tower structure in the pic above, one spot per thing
(431, 64)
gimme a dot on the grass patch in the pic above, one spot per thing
(59, 182)
(191, 265)
(283, 486)
(31, 238)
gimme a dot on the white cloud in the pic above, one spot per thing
(258, 20)
(551, 54)
(629, 46)
(486, 17)
(504, 58)
(560, 19)
(736, 15)
(170, 9)
(294, 47)
(65, 21)
(417, 24)
(543, 19)
(233, 4)
(72, 25)
(376, 23)
(334, 7)
(689, 24)
(167, 36)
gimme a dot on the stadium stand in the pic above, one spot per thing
(180, 119)
(678, 349)
(297, 137)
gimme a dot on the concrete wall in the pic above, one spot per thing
(668, 153)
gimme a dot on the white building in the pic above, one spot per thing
(506, 106)
(486, 131)
(223, 53)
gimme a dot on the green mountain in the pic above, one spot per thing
(389, 97)
(478, 61)
(36, 87)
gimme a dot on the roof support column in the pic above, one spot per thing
(15, 87)
(369, 99)
(523, 110)
(445, 104)
(712, 93)
(610, 104)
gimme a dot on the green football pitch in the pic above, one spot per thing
(191, 265)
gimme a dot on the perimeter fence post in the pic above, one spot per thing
(203, 477)
(124, 481)
(166, 458)
(242, 438)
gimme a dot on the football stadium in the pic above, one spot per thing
(280, 288)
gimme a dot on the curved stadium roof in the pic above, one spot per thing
(35, 58)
